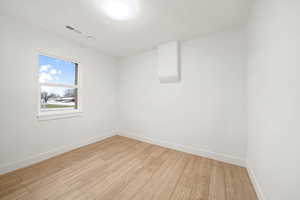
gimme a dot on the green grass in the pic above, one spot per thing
(56, 106)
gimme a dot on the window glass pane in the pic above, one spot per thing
(58, 98)
(53, 70)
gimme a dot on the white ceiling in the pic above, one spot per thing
(157, 21)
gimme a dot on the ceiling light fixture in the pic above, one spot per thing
(119, 9)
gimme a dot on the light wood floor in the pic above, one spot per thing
(120, 168)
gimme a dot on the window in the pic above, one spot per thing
(58, 86)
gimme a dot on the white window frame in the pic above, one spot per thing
(60, 112)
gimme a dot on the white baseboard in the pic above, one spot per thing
(46, 155)
(191, 150)
(255, 184)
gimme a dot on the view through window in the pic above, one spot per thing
(58, 81)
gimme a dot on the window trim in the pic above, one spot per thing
(60, 112)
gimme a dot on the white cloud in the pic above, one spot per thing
(59, 72)
(56, 78)
(45, 68)
(44, 77)
(53, 71)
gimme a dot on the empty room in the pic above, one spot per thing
(149, 100)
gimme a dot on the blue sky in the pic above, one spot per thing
(53, 70)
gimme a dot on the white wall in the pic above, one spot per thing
(206, 111)
(274, 99)
(22, 136)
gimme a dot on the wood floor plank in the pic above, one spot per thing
(109, 191)
(148, 171)
(89, 189)
(232, 182)
(159, 178)
(247, 188)
(187, 180)
(9, 183)
(168, 185)
(181, 193)
(20, 194)
(203, 177)
(123, 168)
(217, 189)
(56, 184)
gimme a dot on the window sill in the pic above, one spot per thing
(53, 115)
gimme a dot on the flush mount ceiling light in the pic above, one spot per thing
(119, 9)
